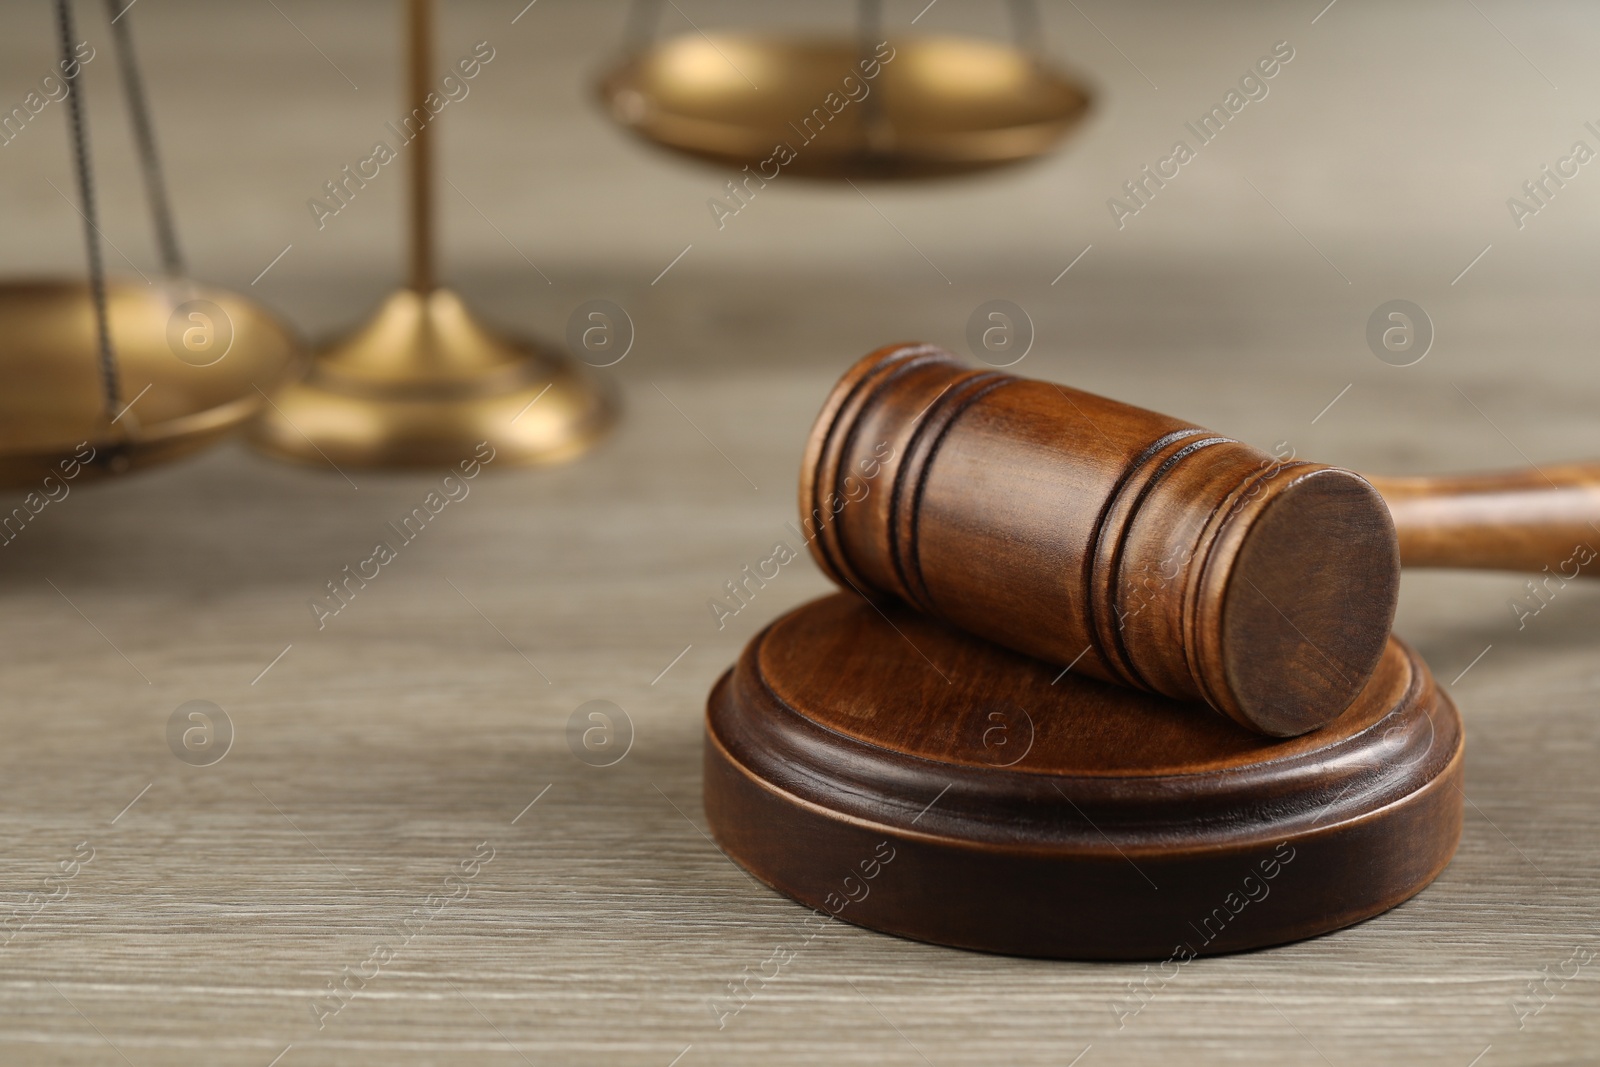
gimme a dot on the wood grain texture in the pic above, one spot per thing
(409, 731)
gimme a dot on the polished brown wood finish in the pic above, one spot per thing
(1529, 520)
(886, 768)
(1139, 548)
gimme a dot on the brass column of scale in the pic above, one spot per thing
(424, 381)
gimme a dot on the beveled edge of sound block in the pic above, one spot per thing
(1235, 842)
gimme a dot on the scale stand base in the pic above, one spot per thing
(422, 384)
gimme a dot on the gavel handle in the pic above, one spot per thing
(1522, 520)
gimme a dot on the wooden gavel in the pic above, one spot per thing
(1145, 550)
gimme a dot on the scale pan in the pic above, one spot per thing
(52, 401)
(940, 105)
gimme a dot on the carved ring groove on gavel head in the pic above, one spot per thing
(1129, 545)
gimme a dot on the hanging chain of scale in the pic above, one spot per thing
(104, 376)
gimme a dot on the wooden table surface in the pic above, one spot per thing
(402, 777)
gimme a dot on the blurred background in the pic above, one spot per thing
(1390, 143)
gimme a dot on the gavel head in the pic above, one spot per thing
(1119, 542)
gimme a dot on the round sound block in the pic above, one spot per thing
(896, 773)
